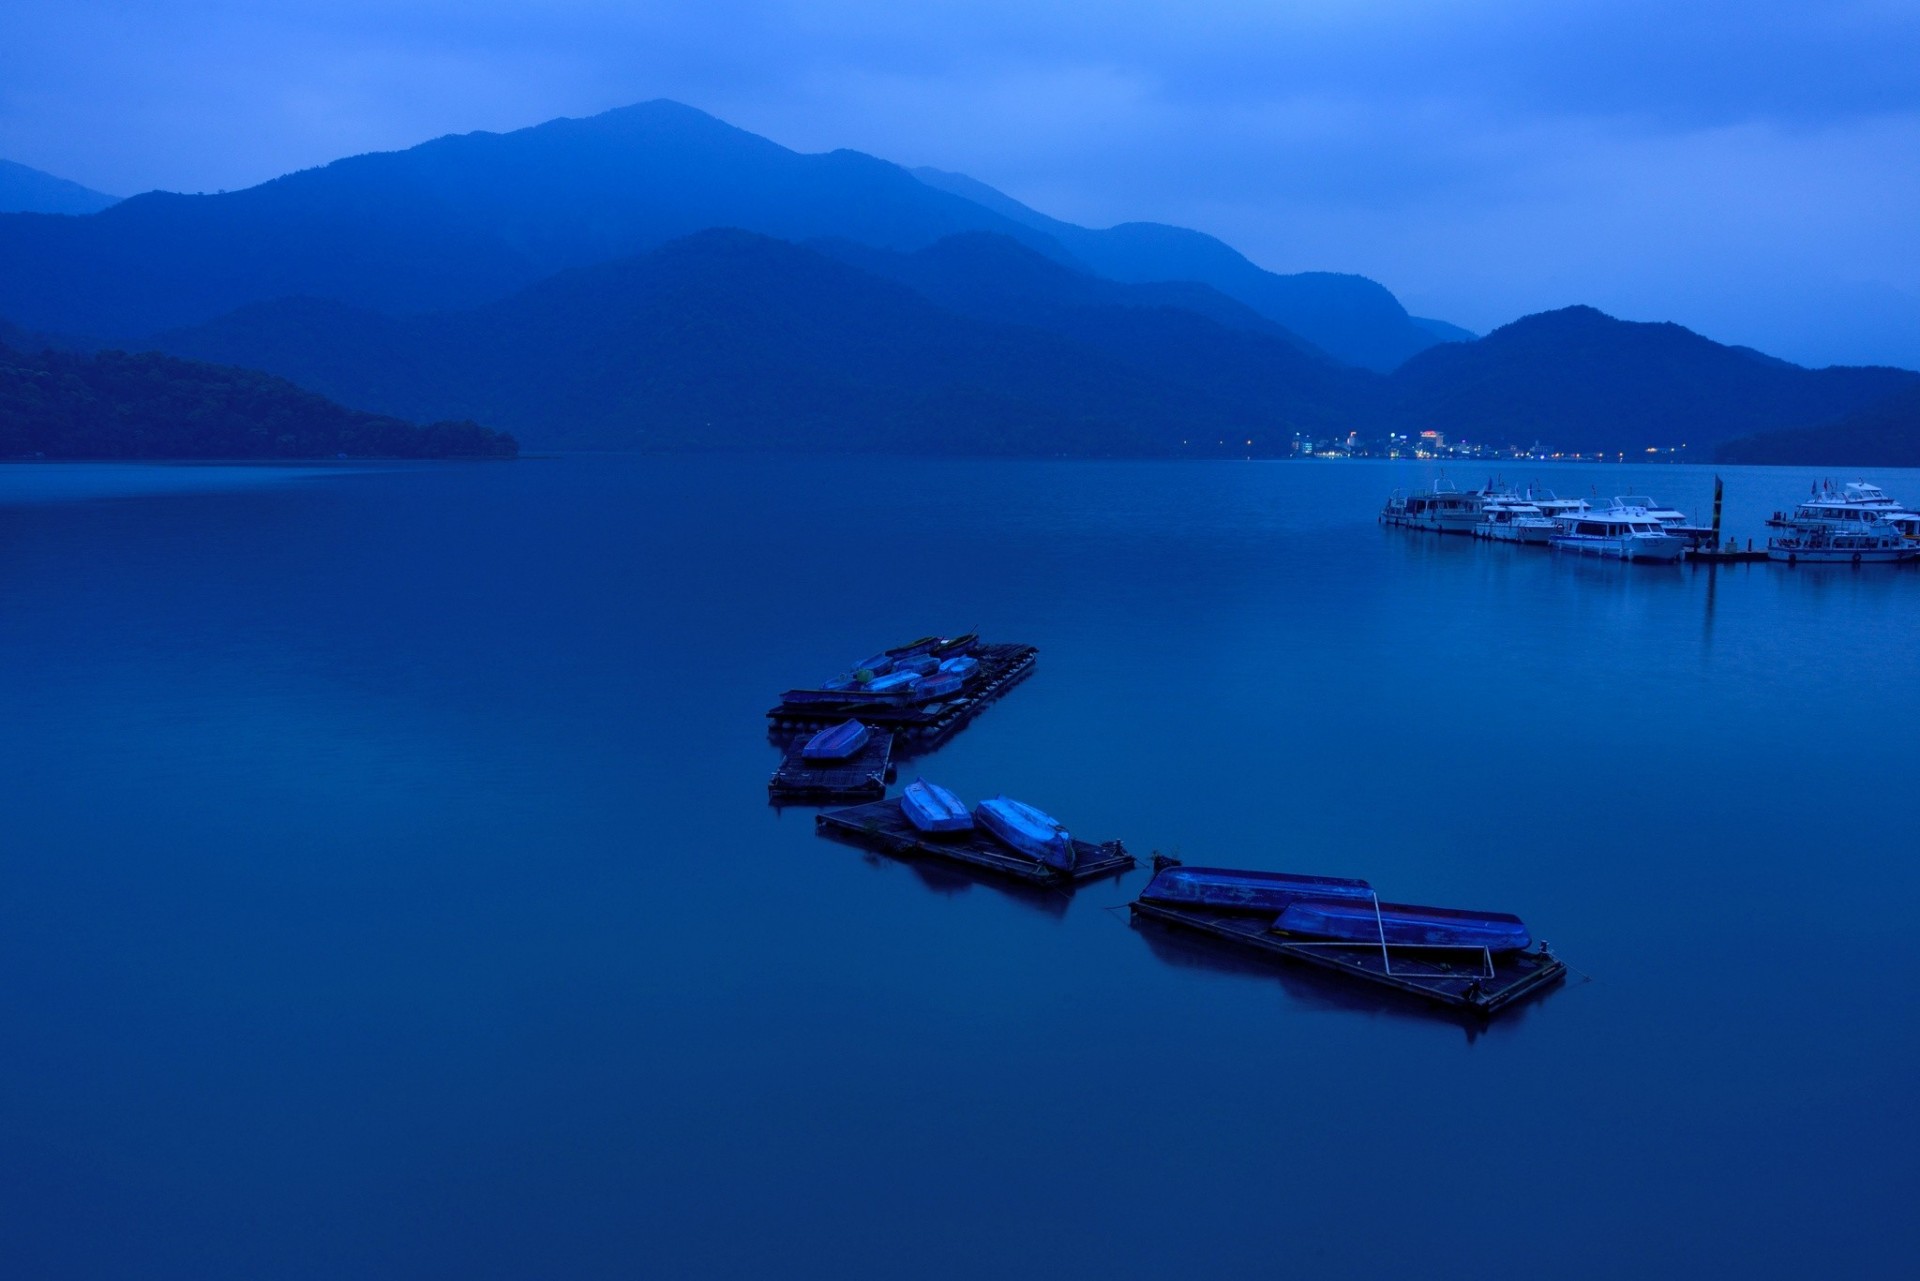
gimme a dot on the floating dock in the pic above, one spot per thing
(1001, 667)
(883, 826)
(864, 774)
(1477, 981)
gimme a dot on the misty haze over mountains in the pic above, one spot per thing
(655, 278)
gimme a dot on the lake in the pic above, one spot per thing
(388, 888)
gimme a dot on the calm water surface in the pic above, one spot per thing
(387, 887)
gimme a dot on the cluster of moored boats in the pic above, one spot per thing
(1848, 524)
(1470, 959)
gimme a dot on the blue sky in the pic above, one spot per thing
(1751, 170)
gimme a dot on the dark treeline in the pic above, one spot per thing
(111, 404)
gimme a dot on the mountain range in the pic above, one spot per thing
(655, 278)
(24, 190)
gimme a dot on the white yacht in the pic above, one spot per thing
(1874, 542)
(1509, 518)
(1673, 520)
(1849, 508)
(1442, 508)
(1621, 533)
(1552, 506)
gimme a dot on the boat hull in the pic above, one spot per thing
(934, 810)
(1402, 925)
(837, 743)
(1223, 889)
(1664, 551)
(1030, 831)
(1841, 556)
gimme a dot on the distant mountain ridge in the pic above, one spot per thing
(977, 344)
(1583, 380)
(467, 219)
(69, 405)
(25, 190)
(1351, 316)
(1885, 433)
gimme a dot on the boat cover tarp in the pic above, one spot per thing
(1231, 890)
(1407, 924)
(918, 664)
(893, 682)
(963, 665)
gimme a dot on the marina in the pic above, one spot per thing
(1854, 524)
(883, 825)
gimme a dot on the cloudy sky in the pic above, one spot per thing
(1749, 169)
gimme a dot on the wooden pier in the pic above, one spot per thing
(866, 774)
(1474, 981)
(927, 723)
(883, 826)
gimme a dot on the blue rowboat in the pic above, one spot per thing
(963, 665)
(1032, 832)
(938, 686)
(958, 645)
(918, 664)
(932, 808)
(878, 665)
(1403, 923)
(1223, 889)
(922, 646)
(893, 683)
(836, 744)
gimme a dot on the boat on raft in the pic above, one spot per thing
(1475, 962)
(933, 809)
(1028, 830)
(837, 743)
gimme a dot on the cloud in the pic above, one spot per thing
(1730, 165)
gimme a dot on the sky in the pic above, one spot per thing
(1751, 170)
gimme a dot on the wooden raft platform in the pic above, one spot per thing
(883, 826)
(1002, 666)
(799, 779)
(1457, 979)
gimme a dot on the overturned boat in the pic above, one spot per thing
(1222, 889)
(836, 743)
(1030, 831)
(933, 809)
(1402, 925)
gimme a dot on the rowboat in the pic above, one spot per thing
(932, 808)
(1030, 831)
(918, 664)
(836, 743)
(1229, 890)
(1405, 924)
(893, 683)
(939, 685)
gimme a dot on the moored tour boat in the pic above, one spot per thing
(1509, 518)
(1673, 520)
(1880, 543)
(1402, 925)
(1621, 533)
(836, 743)
(1442, 508)
(933, 809)
(1028, 830)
